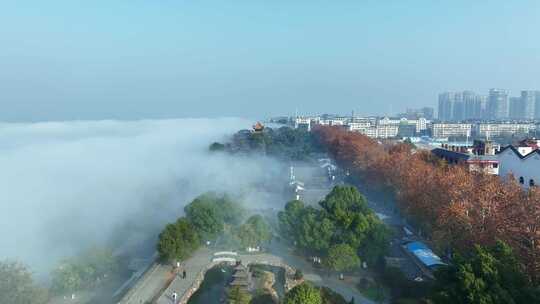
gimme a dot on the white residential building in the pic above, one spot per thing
(421, 124)
(332, 122)
(524, 168)
(359, 125)
(498, 129)
(387, 131)
(445, 130)
(303, 123)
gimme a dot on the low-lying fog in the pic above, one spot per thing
(70, 185)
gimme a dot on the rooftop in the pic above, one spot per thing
(424, 254)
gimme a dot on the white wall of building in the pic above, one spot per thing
(445, 130)
(498, 129)
(527, 167)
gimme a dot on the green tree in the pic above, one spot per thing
(217, 147)
(17, 285)
(238, 296)
(98, 261)
(487, 276)
(303, 294)
(84, 271)
(331, 297)
(375, 245)
(343, 202)
(68, 277)
(178, 241)
(342, 257)
(357, 226)
(260, 226)
(288, 219)
(231, 211)
(205, 216)
(209, 212)
(357, 231)
(315, 230)
(254, 231)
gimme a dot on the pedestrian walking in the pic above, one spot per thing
(184, 274)
(174, 297)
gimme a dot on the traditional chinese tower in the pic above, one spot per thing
(258, 127)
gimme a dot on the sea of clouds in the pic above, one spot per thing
(66, 186)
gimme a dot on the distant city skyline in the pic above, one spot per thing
(65, 60)
(498, 104)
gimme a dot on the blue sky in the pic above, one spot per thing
(63, 60)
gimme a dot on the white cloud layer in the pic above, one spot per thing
(68, 185)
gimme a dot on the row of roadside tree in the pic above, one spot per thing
(484, 221)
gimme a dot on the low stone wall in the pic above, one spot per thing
(289, 277)
(196, 284)
(289, 272)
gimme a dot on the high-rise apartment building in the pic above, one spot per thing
(482, 106)
(451, 106)
(475, 106)
(457, 106)
(537, 106)
(516, 108)
(525, 106)
(446, 106)
(498, 104)
(469, 103)
(528, 104)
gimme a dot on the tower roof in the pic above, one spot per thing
(258, 126)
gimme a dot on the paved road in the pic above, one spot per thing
(149, 286)
(194, 267)
(346, 288)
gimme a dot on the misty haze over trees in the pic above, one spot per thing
(109, 186)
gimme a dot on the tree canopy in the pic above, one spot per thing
(217, 147)
(284, 143)
(454, 207)
(208, 216)
(303, 294)
(178, 240)
(209, 212)
(237, 296)
(254, 231)
(84, 271)
(17, 285)
(344, 218)
(342, 257)
(488, 276)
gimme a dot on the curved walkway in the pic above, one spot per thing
(318, 277)
(201, 261)
(195, 268)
